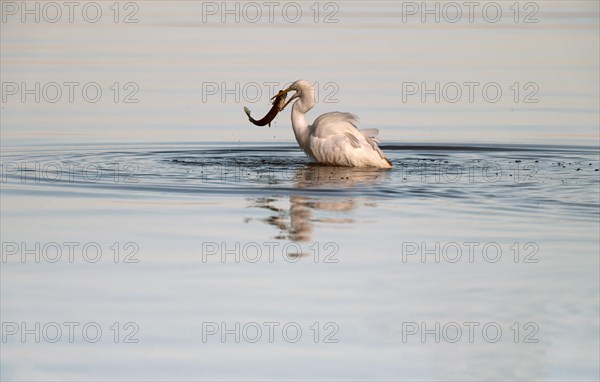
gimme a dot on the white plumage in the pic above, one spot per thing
(333, 138)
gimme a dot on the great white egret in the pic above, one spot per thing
(333, 138)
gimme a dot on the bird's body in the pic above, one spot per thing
(333, 138)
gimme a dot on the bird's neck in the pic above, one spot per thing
(299, 124)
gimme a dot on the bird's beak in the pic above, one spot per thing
(290, 100)
(285, 91)
(281, 92)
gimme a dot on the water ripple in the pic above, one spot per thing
(565, 178)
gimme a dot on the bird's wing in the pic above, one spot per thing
(333, 133)
(334, 123)
(337, 122)
(371, 133)
(368, 136)
(352, 139)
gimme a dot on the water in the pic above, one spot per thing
(349, 259)
(169, 239)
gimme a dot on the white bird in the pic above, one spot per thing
(333, 138)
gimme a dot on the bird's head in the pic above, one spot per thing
(302, 88)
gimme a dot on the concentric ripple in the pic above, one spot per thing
(559, 177)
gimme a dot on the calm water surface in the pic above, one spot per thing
(169, 239)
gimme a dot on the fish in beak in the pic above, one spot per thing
(284, 92)
(278, 105)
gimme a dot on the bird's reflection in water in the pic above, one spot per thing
(297, 222)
